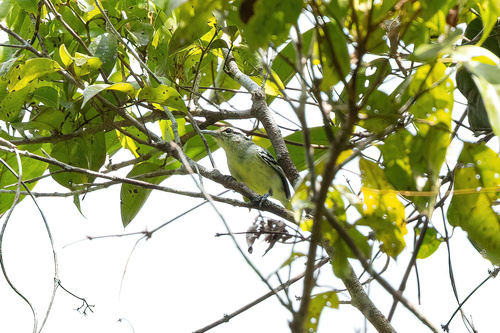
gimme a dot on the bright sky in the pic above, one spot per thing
(184, 278)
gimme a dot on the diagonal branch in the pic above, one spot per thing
(364, 262)
(213, 175)
(261, 111)
(283, 286)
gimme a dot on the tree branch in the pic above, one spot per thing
(283, 286)
(361, 301)
(261, 111)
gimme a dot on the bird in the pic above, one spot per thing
(251, 164)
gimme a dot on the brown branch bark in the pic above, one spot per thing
(261, 111)
(361, 301)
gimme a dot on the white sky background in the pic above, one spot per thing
(184, 278)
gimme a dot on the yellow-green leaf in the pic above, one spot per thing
(471, 209)
(32, 69)
(31, 168)
(94, 89)
(66, 58)
(273, 85)
(490, 11)
(430, 243)
(85, 64)
(318, 303)
(163, 95)
(384, 213)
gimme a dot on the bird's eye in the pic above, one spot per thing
(228, 131)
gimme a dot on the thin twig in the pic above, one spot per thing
(283, 286)
(2, 233)
(363, 261)
(492, 274)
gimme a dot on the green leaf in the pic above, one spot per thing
(428, 151)
(431, 8)
(471, 205)
(81, 64)
(105, 47)
(318, 139)
(377, 115)
(76, 202)
(94, 89)
(31, 169)
(475, 29)
(72, 152)
(66, 58)
(168, 5)
(163, 95)
(340, 264)
(412, 162)
(334, 202)
(6, 66)
(430, 243)
(28, 5)
(49, 118)
(384, 213)
(283, 64)
(167, 131)
(135, 197)
(476, 111)
(128, 142)
(223, 81)
(273, 85)
(361, 242)
(12, 102)
(142, 33)
(248, 60)
(487, 164)
(85, 64)
(49, 96)
(435, 105)
(6, 8)
(339, 7)
(132, 197)
(31, 70)
(431, 52)
(271, 22)
(294, 256)
(335, 58)
(195, 148)
(88, 153)
(490, 11)
(113, 144)
(485, 67)
(192, 18)
(490, 93)
(318, 303)
(396, 152)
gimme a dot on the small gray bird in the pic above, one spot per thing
(252, 164)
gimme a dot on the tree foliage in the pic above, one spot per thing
(82, 80)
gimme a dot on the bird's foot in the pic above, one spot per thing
(262, 199)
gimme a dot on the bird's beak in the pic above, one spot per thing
(211, 133)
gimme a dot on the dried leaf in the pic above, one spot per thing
(252, 235)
